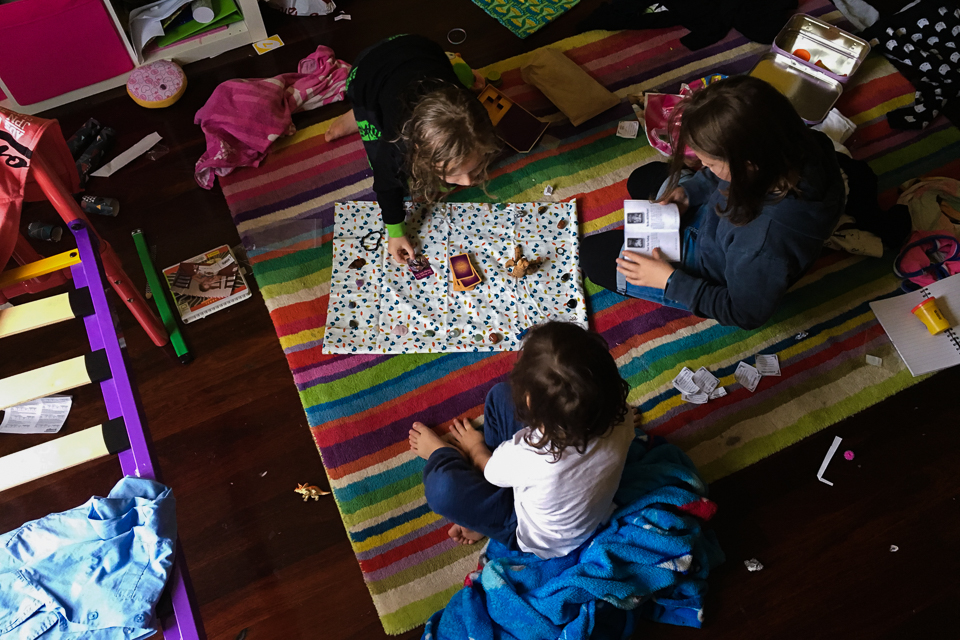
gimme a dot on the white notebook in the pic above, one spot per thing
(921, 351)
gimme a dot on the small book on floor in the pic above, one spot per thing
(648, 225)
(921, 351)
(206, 283)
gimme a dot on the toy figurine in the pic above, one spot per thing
(520, 265)
(309, 491)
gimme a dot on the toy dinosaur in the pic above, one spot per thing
(520, 265)
(309, 491)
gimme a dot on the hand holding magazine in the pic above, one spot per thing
(648, 225)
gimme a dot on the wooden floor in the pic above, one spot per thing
(231, 438)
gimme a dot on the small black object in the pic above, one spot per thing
(242, 634)
(352, 305)
(354, 324)
(372, 240)
(114, 434)
(100, 206)
(79, 141)
(572, 303)
(565, 277)
(542, 209)
(93, 157)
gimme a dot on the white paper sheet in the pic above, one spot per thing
(826, 460)
(45, 415)
(719, 392)
(705, 380)
(128, 156)
(768, 365)
(684, 382)
(145, 22)
(695, 398)
(748, 376)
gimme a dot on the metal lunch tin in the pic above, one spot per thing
(839, 53)
(812, 94)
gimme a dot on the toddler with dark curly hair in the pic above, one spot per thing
(542, 475)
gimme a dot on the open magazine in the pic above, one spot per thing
(206, 283)
(648, 225)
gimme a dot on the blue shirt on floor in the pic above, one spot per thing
(94, 572)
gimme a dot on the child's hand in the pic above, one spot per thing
(678, 197)
(400, 248)
(469, 440)
(644, 271)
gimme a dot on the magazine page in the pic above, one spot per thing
(648, 225)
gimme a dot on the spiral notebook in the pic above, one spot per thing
(922, 352)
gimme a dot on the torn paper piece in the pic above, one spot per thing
(705, 380)
(826, 460)
(128, 156)
(753, 565)
(894, 548)
(875, 361)
(342, 16)
(801, 335)
(628, 129)
(768, 365)
(719, 392)
(695, 398)
(684, 382)
(548, 190)
(45, 415)
(747, 376)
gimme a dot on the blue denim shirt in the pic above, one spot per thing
(93, 572)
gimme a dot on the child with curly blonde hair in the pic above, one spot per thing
(422, 127)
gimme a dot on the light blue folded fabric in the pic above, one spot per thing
(94, 572)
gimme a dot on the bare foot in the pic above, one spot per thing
(423, 441)
(462, 535)
(342, 126)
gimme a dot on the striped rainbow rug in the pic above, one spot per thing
(360, 407)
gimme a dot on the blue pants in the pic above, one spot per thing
(457, 490)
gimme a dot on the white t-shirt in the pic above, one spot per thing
(560, 504)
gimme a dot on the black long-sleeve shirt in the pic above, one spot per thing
(389, 78)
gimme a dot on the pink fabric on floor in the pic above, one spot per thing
(243, 117)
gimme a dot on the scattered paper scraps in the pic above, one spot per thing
(747, 376)
(705, 380)
(268, 45)
(342, 16)
(767, 365)
(894, 548)
(753, 565)
(801, 335)
(875, 361)
(826, 460)
(128, 156)
(699, 387)
(628, 129)
(548, 190)
(684, 382)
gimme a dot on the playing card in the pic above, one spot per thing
(748, 376)
(768, 365)
(420, 267)
(719, 392)
(684, 382)
(705, 380)
(695, 398)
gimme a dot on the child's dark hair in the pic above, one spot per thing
(751, 126)
(566, 384)
(446, 126)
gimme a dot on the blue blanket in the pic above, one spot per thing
(652, 559)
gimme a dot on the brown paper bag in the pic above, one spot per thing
(566, 85)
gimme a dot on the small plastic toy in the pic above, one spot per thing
(310, 491)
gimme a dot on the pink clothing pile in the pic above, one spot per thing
(243, 117)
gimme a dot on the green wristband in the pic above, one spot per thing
(397, 230)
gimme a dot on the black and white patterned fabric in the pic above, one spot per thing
(925, 37)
